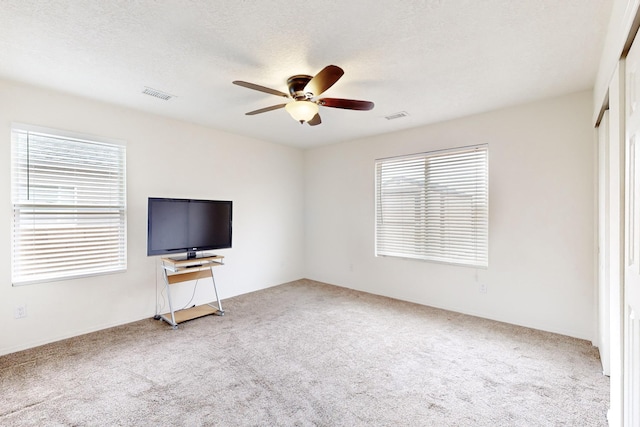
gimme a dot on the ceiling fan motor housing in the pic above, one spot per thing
(296, 86)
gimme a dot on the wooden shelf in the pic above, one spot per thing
(186, 265)
(191, 313)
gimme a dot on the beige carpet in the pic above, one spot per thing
(308, 354)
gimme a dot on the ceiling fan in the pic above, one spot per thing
(303, 90)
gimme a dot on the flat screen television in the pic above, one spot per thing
(188, 226)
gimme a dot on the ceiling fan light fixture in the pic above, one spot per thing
(302, 111)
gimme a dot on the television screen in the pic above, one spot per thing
(188, 225)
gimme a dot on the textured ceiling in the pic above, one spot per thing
(434, 59)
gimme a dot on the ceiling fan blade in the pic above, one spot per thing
(264, 110)
(347, 104)
(260, 88)
(324, 79)
(315, 121)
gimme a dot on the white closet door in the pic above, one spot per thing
(604, 244)
(631, 308)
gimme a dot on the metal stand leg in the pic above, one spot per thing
(166, 284)
(215, 289)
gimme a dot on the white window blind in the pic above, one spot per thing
(434, 206)
(69, 206)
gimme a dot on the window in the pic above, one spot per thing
(434, 206)
(69, 206)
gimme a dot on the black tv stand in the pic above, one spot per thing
(191, 256)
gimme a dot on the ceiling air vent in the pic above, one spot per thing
(157, 93)
(396, 115)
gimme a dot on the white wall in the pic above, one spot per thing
(541, 235)
(165, 158)
(310, 214)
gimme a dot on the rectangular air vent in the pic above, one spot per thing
(158, 94)
(396, 115)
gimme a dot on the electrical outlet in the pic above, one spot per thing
(483, 288)
(20, 311)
